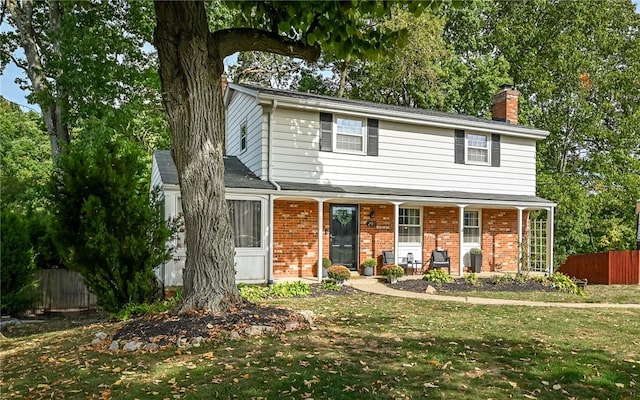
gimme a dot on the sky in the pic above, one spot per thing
(12, 92)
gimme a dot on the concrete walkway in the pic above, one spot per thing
(374, 285)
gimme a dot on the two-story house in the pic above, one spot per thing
(311, 177)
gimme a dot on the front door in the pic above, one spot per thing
(344, 235)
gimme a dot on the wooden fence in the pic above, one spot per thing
(611, 268)
(63, 290)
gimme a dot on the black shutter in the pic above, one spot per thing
(459, 146)
(326, 132)
(372, 137)
(495, 150)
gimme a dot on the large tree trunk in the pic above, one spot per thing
(190, 72)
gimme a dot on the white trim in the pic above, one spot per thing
(320, 237)
(520, 244)
(362, 135)
(479, 242)
(461, 208)
(467, 147)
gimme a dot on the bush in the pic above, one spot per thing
(471, 278)
(562, 282)
(106, 226)
(326, 262)
(138, 310)
(392, 271)
(370, 262)
(475, 251)
(18, 269)
(256, 293)
(339, 273)
(326, 285)
(438, 276)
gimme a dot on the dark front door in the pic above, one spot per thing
(344, 235)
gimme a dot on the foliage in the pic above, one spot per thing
(106, 226)
(392, 271)
(475, 251)
(565, 284)
(256, 293)
(327, 285)
(18, 269)
(339, 273)
(326, 263)
(132, 310)
(471, 278)
(370, 262)
(438, 275)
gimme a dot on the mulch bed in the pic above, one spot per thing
(164, 329)
(483, 285)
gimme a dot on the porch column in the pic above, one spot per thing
(550, 233)
(396, 230)
(520, 244)
(461, 238)
(270, 252)
(320, 237)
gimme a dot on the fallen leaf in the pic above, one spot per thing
(556, 387)
(513, 384)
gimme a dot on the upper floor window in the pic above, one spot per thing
(409, 225)
(243, 137)
(478, 148)
(349, 135)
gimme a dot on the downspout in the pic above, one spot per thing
(275, 184)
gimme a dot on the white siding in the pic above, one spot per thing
(242, 109)
(410, 156)
(156, 180)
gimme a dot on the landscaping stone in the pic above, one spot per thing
(430, 290)
(233, 335)
(257, 330)
(150, 347)
(181, 342)
(197, 341)
(291, 325)
(115, 346)
(96, 341)
(132, 346)
(101, 335)
(308, 316)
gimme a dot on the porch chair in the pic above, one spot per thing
(388, 257)
(441, 259)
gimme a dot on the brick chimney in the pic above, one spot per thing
(504, 105)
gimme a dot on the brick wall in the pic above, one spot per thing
(440, 226)
(376, 239)
(500, 239)
(295, 238)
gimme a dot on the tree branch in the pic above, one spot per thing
(229, 41)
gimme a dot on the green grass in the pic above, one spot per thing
(620, 294)
(364, 346)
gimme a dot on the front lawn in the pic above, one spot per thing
(362, 346)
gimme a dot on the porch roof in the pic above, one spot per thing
(414, 194)
(236, 174)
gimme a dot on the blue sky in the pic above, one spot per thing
(10, 90)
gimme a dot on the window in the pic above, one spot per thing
(409, 225)
(478, 148)
(246, 222)
(472, 227)
(243, 137)
(350, 135)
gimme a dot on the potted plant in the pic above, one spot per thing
(476, 259)
(392, 272)
(326, 263)
(368, 265)
(339, 273)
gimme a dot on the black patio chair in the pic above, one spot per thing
(441, 259)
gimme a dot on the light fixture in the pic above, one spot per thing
(372, 214)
